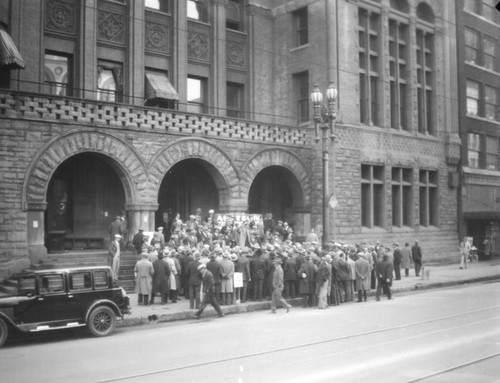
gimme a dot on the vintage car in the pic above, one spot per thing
(51, 299)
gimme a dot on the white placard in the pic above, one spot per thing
(238, 280)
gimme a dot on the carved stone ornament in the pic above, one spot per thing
(157, 37)
(235, 55)
(111, 27)
(60, 16)
(198, 45)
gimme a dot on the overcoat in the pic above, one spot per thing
(406, 257)
(144, 276)
(243, 265)
(363, 275)
(227, 270)
(307, 282)
(290, 269)
(172, 280)
(161, 277)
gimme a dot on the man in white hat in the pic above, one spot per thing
(114, 252)
(208, 292)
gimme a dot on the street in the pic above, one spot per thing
(445, 335)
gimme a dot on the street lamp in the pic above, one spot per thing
(324, 119)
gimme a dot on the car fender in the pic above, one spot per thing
(7, 314)
(103, 302)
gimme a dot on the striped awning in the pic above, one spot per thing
(158, 86)
(9, 54)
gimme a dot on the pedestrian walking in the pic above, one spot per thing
(384, 270)
(208, 292)
(278, 286)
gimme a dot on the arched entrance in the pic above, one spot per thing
(188, 185)
(272, 192)
(84, 195)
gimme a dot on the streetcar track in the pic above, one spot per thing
(304, 345)
(454, 368)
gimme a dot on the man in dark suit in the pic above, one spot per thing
(243, 266)
(416, 253)
(194, 280)
(208, 292)
(384, 270)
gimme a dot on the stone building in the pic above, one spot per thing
(147, 108)
(478, 37)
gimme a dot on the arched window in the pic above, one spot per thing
(400, 5)
(425, 13)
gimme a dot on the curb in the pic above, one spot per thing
(266, 305)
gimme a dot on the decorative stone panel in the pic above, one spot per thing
(60, 16)
(198, 42)
(157, 37)
(111, 24)
(236, 50)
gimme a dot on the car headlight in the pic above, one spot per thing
(124, 293)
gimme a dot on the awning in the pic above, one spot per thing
(482, 215)
(158, 86)
(9, 54)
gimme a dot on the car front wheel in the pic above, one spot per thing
(4, 332)
(102, 321)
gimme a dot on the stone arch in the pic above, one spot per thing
(425, 12)
(123, 159)
(220, 166)
(301, 190)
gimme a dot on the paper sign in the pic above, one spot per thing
(238, 280)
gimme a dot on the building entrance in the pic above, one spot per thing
(84, 195)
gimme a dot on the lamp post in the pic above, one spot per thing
(324, 120)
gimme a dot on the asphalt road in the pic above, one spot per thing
(444, 335)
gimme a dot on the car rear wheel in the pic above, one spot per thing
(4, 332)
(102, 321)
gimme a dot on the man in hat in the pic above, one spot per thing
(158, 237)
(138, 240)
(227, 272)
(243, 266)
(115, 228)
(397, 257)
(143, 272)
(278, 286)
(208, 292)
(384, 270)
(362, 276)
(114, 252)
(194, 281)
(257, 274)
(307, 278)
(322, 278)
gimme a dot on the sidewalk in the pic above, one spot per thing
(431, 277)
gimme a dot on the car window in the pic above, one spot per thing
(26, 285)
(100, 279)
(52, 283)
(80, 280)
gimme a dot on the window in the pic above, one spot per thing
(471, 46)
(473, 150)
(57, 74)
(196, 94)
(398, 48)
(80, 280)
(492, 153)
(402, 197)
(301, 91)
(429, 206)
(197, 10)
(109, 82)
(368, 37)
(160, 5)
(26, 285)
(425, 92)
(300, 21)
(100, 279)
(472, 93)
(372, 196)
(234, 101)
(51, 284)
(234, 15)
(489, 53)
(490, 103)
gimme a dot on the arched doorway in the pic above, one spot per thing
(84, 195)
(187, 186)
(272, 192)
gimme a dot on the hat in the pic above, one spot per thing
(118, 236)
(244, 250)
(277, 261)
(160, 228)
(141, 229)
(201, 267)
(225, 255)
(233, 257)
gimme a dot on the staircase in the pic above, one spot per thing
(96, 258)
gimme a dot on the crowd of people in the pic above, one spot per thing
(259, 261)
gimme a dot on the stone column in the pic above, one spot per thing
(36, 232)
(219, 55)
(141, 216)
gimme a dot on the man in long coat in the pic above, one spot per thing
(406, 259)
(143, 272)
(362, 276)
(161, 277)
(114, 253)
(307, 278)
(214, 267)
(398, 256)
(227, 273)
(290, 270)
(322, 280)
(257, 273)
(416, 252)
(194, 281)
(344, 279)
